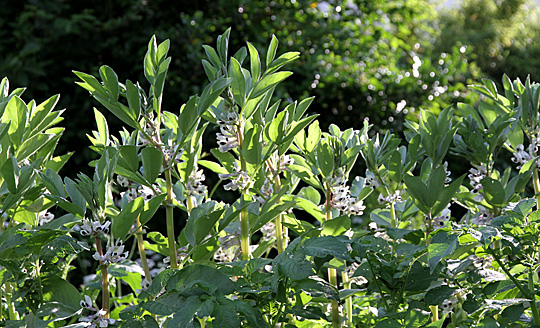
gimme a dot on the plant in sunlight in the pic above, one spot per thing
(286, 251)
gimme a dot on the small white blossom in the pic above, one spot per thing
(440, 221)
(130, 194)
(483, 218)
(194, 185)
(97, 320)
(122, 181)
(371, 181)
(114, 254)
(146, 193)
(447, 305)
(284, 162)
(93, 228)
(269, 232)
(227, 138)
(342, 198)
(172, 153)
(145, 284)
(448, 173)
(240, 179)
(476, 175)
(392, 198)
(267, 190)
(45, 217)
(521, 156)
(358, 280)
(87, 303)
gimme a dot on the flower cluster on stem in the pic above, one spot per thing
(227, 138)
(239, 179)
(476, 174)
(98, 319)
(342, 198)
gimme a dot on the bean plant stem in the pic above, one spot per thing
(189, 203)
(244, 219)
(332, 273)
(536, 184)
(281, 231)
(170, 221)
(105, 290)
(435, 312)
(393, 220)
(534, 308)
(348, 300)
(530, 296)
(12, 313)
(142, 253)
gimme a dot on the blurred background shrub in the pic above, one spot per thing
(375, 59)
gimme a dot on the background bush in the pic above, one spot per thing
(359, 58)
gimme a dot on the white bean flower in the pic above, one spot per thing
(195, 185)
(94, 228)
(97, 320)
(239, 179)
(114, 254)
(122, 181)
(45, 217)
(342, 198)
(227, 138)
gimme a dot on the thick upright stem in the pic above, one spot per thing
(332, 273)
(142, 253)
(393, 220)
(434, 312)
(536, 184)
(348, 300)
(534, 308)
(281, 231)
(105, 289)
(244, 219)
(12, 312)
(244, 232)
(170, 221)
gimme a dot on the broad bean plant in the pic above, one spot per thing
(433, 248)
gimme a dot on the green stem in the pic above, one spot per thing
(170, 221)
(332, 279)
(530, 296)
(140, 244)
(202, 322)
(536, 184)
(435, 312)
(393, 220)
(244, 232)
(534, 307)
(281, 231)
(105, 290)
(348, 300)
(244, 219)
(12, 313)
(332, 273)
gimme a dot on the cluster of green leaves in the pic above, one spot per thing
(35, 252)
(416, 266)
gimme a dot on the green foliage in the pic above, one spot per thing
(259, 261)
